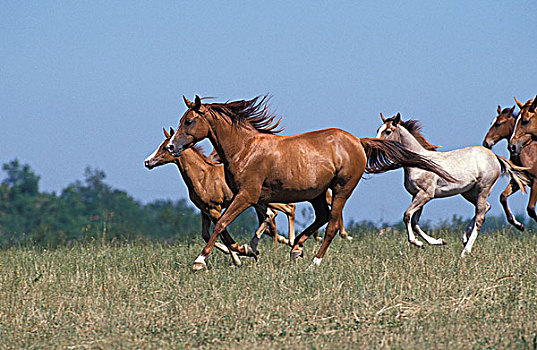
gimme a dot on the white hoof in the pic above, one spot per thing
(464, 253)
(349, 238)
(235, 258)
(199, 263)
(417, 243)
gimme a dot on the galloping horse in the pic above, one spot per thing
(476, 168)
(526, 126)
(213, 156)
(209, 192)
(502, 128)
(263, 167)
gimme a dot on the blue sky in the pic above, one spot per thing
(93, 83)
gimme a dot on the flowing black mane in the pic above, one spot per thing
(254, 112)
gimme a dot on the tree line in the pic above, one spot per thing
(91, 209)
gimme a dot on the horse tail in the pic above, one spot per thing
(516, 173)
(385, 155)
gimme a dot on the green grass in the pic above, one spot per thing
(375, 292)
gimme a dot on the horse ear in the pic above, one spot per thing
(187, 102)
(534, 104)
(166, 133)
(171, 131)
(397, 119)
(197, 103)
(520, 104)
(499, 110)
(382, 117)
(513, 113)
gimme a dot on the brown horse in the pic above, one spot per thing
(210, 193)
(503, 128)
(213, 156)
(263, 167)
(526, 126)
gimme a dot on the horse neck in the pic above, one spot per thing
(409, 141)
(229, 140)
(192, 166)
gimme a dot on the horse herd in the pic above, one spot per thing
(252, 165)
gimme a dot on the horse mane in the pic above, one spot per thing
(254, 112)
(414, 127)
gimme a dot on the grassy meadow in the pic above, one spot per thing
(374, 292)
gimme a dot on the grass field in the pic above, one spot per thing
(374, 292)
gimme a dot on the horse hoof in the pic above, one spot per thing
(198, 266)
(464, 253)
(319, 239)
(296, 254)
(349, 238)
(235, 259)
(520, 227)
(442, 242)
(249, 251)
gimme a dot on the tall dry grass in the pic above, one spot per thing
(375, 292)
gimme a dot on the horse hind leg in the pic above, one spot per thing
(430, 240)
(321, 217)
(511, 188)
(482, 207)
(338, 202)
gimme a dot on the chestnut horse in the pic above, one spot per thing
(342, 232)
(476, 168)
(502, 128)
(263, 167)
(209, 192)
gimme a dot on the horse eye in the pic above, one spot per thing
(497, 125)
(525, 121)
(388, 132)
(188, 122)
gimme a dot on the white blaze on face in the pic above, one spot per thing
(381, 130)
(516, 125)
(154, 153)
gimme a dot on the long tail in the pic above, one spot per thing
(385, 155)
(516, 173)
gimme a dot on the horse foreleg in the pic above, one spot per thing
(321, 217)
(213, 216)
(237, 206)
(333, 225)
(419, 200)
(430, 240)
(511, 188)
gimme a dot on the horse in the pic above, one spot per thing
(502, 128)
(476, 169)
(209, 192)
(213, 156)
(526, 126)
(264, 167)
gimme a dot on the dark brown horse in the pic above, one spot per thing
(264, 167)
